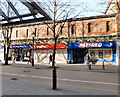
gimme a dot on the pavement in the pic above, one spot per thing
(73, 67)
(19, 87)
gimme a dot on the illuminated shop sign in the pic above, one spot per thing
(108, 44)
(1, 47)
(50, 46)
(20, 46)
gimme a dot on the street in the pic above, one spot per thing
(38, 81)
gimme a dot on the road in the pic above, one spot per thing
(18, 80)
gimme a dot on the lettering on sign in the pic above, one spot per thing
(88, 45)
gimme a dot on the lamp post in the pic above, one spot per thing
(33, 39)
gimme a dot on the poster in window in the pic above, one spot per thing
(100, 54)
(92, 54)
(107, 54)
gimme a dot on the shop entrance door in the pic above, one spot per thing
(78, 55)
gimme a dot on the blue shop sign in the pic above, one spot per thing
(92, 44)
(20, 46)
(1, 47)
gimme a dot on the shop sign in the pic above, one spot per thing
(20, 46)
(89, 45)
(92, 45)
(1, 47)
(50, 46)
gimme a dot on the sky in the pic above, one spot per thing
(84, 7)
(76, 8)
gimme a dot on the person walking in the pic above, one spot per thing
(14, 58)
(50, 58)
(29, 59)
(88, 61)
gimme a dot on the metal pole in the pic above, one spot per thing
(33, 53)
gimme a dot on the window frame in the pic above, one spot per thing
(89, 27)
(108, 26)
(16, 34)
(27, 30)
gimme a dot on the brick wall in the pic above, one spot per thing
(98, 27)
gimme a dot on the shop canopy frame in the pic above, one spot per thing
(34, 12)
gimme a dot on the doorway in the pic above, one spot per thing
(79, 55)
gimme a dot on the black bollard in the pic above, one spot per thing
(89, 66)
(103, 66)
(54, 78)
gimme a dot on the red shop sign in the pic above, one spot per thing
(50, 46)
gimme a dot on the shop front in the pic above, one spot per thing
(43, 51)
(21, 51)
(103, 51)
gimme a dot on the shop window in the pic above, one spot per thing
(89, 27)
(92, 53)
(100, 54)
(108, 26)
(16, 33)
(27, 32)
(107, 54)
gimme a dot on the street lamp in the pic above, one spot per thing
(33, 39)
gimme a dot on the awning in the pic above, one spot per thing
(50, 46)
(20, 46)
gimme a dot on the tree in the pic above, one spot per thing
(60, 11)
(6, 31)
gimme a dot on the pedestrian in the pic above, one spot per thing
(50, 58)
(88, 61)
(29, 59)
(13, 58)
(21, 57)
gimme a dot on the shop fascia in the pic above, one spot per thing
(105, 44)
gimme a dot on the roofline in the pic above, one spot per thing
(91, 17)
(108, 6)
(68, 20)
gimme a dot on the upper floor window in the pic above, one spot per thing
(108, 26)
(47, 31)
(73, 29)
(16, 33)
(27, 32)
(61, 30)
(35, 32)
(89, 27)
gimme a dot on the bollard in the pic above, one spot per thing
(54, 78)
(103, 66)
(90, 66)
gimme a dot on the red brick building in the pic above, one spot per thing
(92, 29)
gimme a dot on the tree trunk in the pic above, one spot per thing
(6, 54)
(54, 52)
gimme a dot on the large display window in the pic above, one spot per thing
(100, 53)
